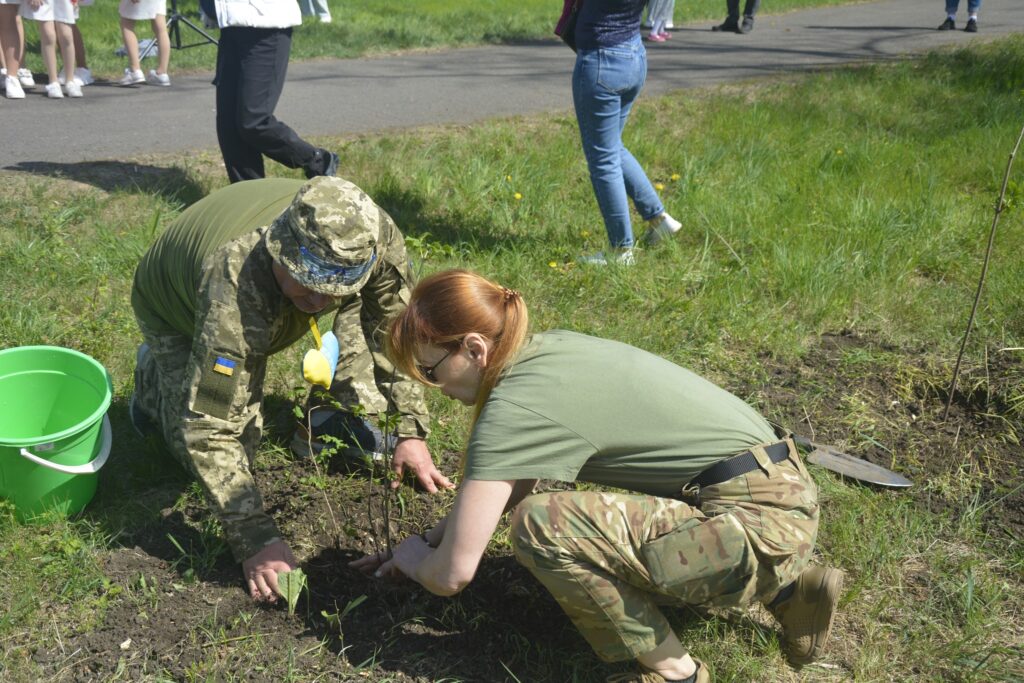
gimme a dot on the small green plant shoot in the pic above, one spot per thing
(292, 584)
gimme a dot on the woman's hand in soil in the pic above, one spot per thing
(412, 453)
(406, 558)
(369, 564)
(402, 562)
(261, 570)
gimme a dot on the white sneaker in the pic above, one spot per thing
(153, 78)
(619, 256)
(13, 89)
(3, 72)
(132, 77)
(666, 227)
(63, 81)
(73, 89)
(84, 76)
(53, 90)
(25, 78)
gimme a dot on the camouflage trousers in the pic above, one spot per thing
(610, 559)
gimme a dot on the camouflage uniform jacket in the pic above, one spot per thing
(241, 318)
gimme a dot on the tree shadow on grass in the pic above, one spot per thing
(174, 184)
(412, 214)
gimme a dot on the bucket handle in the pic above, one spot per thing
(89, 467)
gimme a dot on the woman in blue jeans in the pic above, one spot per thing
(611, 65)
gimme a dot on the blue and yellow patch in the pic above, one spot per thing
(224, 366)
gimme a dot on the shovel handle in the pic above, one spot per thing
(803, 442)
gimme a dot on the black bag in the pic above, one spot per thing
(566, 26)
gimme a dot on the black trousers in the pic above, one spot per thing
(749, 8)
(251, 68)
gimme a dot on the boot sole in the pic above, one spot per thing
(830, 588)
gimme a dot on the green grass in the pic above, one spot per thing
(854, 201)
(363, 27)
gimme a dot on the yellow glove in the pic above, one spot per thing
(318, 365)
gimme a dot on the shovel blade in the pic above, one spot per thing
(855, 468)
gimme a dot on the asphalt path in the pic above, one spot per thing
(342, 97)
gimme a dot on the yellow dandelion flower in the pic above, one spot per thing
(675, 176)
(659, 187)
(839, 152)
(517, 196)
(584, 234)
(508, 178)
(552, 264)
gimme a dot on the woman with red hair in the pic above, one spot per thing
(723, 512)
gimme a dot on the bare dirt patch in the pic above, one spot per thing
(886, 405)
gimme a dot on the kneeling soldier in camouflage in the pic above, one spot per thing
(725, 513)
(235, 279)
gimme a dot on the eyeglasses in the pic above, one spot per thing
(429, 372)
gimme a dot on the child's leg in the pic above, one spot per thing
(67, 49)
(12, 46)
(163, 43)
(131, 43)
(48, 49)
(79, 48)
(21, 36)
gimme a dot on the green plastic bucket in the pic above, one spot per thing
(54, 432)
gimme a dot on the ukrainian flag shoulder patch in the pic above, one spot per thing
(224, 366)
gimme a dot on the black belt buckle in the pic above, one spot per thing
(690, 494)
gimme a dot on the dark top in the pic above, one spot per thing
(604, 23)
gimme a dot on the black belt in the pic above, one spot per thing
(727, 469)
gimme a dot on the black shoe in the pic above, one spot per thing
(972, 26)
(324, 163)
(948, 25)
(348, 436)
(728, 25)
(747, 25)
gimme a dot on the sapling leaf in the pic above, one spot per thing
(291, 584)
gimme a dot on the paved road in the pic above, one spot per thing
(460, 86)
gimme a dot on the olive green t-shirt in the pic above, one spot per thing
(574, 407)
(167, 279)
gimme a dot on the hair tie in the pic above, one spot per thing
(510, 293)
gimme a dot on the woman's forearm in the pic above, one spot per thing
(464, 534)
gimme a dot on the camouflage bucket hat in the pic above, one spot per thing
(327, 238)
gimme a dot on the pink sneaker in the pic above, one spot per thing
(665, 35)
(656, 38)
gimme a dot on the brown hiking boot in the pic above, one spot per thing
(648, 676)
(806, 615)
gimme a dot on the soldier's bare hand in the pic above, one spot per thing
(413, 454)
(261, 570)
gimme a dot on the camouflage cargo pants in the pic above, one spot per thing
(611, 559)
